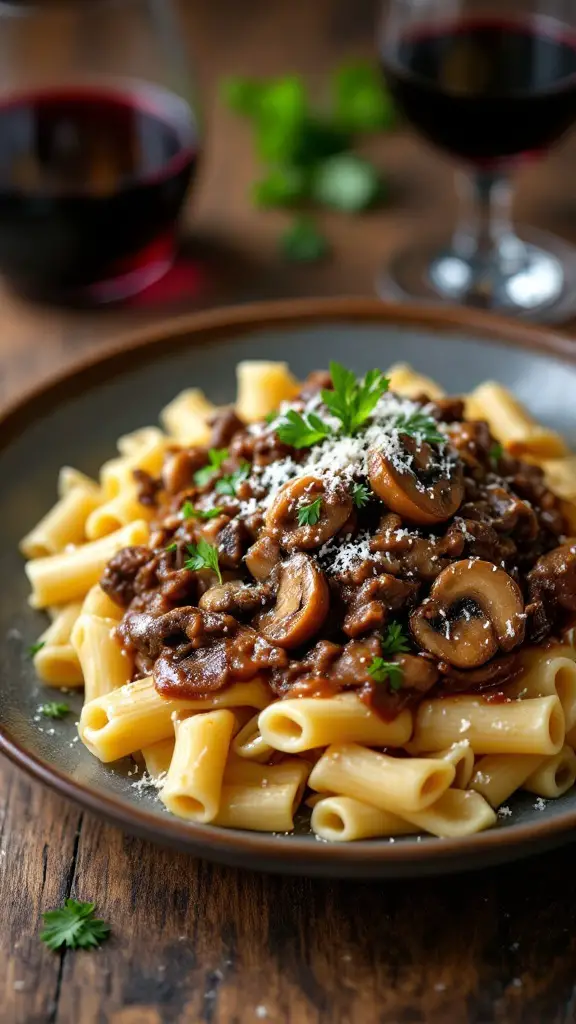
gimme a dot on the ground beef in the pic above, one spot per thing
(119, 577)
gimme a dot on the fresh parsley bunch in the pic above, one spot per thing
(307, 152)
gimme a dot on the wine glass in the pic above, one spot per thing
(98, 145)
(493, 83)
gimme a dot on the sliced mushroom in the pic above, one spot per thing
(235, 598)
(262, 556)
(282, 517)
(474, 610)
(426, 491)
(302, 602)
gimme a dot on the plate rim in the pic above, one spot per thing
(201, 328)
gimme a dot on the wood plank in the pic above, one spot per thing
(38, 836)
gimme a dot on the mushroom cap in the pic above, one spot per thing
(282, 516)
(403, 493)
(470, 637)
(302, 603)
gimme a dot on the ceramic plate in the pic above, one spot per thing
(76, 419)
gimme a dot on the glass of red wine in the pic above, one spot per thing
(98, 145)
(493, 83)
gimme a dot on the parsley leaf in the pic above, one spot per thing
(282, 186)
(308, 515)
(382, 671)
(216, 457)
(395, 641)
(303, 242)
(419, 425)
(203, 556)
(353, 400)
(362, 102)
(229, 484)
(171, 547)
(271, 416)
(243, 95)
(360, 495)
(54, 710)
(73, 926)
(34, 648)
(496, 452)
(347, 182)
(189, 512)
(302, 431)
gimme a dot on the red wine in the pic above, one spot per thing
(486, 90)
(91, 183)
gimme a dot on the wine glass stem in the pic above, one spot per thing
(485, 236)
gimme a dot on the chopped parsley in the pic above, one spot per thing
(54, 710)
(496, 452)
(395, 640)
(73, 926)
(309, 515)
(419, 425)
(229, 484)
(216, 457)
(360, 495)
(189, 512)
(271, 416)
(353, 400)
(34, 648)
(382, 671)
(302, 431)
(203, 556)
(171, 547)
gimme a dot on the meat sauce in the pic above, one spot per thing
(409, 556)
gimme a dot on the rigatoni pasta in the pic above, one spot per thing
(343, 595)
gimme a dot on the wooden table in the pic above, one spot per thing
(195, 943)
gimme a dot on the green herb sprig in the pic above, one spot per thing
(360, 495)
(216, 456)
(496, 452)
(34, 648)
(382, 671)
(53, 709)
(203, 556)
(418, 425)
(73, 926)
(395, 640)
(229, 484)
(353, 399)
(302, 431)
(189, 512)
(309, 515)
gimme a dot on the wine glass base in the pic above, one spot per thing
(540, 287)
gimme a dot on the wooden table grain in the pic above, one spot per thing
(193, 942)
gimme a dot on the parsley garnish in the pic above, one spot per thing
(360, 495)
(73, 926)
(54, 710)
(34, 648)
(395, 641)
(216, 457)
(419, 425)
(362, 102)
(381, 670)
(309, 515)
(171, 547)
(496, 452)
(347, 182)
(203, 556)
(303, 242)
(353, 400)
(302, 431)
(271, 416)
(229, 484)
(189, 512)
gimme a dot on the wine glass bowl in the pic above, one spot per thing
(98, 146)
(493, 85)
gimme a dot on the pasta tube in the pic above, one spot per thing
(262, 798)
(390, 783)
(68, 575)
(307, 722)
(511, 424)
(105, 664)
(262, 386)
(65, 523)
(534, 726)
(343, 819)
(136, 716)
(497, 776)
(193, 785)
(157, 757)
(56, 663)
(186, 417)
(555, 776)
